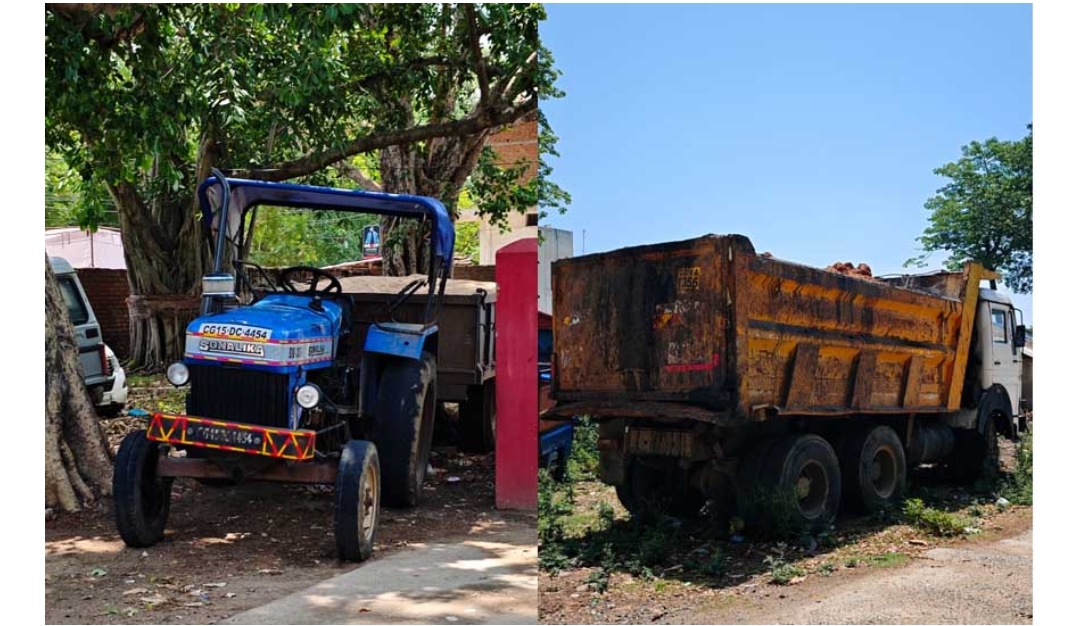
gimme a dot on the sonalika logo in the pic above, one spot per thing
(231, 347)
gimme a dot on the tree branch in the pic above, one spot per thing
(474, 44)
(357, 175)
(311, 163)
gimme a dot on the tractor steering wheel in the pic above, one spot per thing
(315, 276)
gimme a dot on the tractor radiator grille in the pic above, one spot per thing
(239, 395)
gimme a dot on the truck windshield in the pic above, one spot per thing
(76, 307)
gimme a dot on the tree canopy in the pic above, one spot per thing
(984, 212)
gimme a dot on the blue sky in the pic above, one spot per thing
(813, 130)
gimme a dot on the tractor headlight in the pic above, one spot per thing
(308, 396)
(178, 374)
(218, 284)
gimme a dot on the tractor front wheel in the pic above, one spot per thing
(404, 424)
(141, 498)
(356, 497)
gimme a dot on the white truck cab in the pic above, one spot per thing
(1000, 341)
(104, 378)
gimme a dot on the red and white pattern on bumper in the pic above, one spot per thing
(278, 443)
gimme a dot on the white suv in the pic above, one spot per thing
(104, 378)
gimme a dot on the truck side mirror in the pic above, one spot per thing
(1020, 336)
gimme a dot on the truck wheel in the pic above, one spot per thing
(975, 455)
(404, 424)
(476, 419)
(356, 501)
(653, 490)
(875, 468)
(802, 476)
(141, 498)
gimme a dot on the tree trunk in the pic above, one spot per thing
(78, 464)
(166, 256)
(440, 174)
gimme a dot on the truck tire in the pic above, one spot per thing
(652, 490)
(805, 469)
(356, 501)
(476, 419)
(975, 455)
(874, 471)
(141, 498)
(404, 424)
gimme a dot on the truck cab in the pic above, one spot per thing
(998, 349)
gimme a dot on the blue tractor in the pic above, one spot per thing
(279, 388)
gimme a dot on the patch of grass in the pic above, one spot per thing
(889, 559)
(781, 572)
(937, 522)
(772, 514)
(1019, 486)
(826, 569)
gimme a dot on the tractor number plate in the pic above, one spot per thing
(279, 443)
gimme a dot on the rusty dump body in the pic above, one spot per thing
(709, 330)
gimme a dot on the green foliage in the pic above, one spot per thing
(772, 513)
(1019, 486)
(143, 99)
(937, 522)
(780, 571)
(467, 240)
(584, 461)
(984, 211)
(285, 237)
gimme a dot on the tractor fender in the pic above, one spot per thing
(995, 404)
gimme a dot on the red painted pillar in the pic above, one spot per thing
(516, 394)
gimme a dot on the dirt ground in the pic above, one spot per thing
(231, 549)
(868, 570)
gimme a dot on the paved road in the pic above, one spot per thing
(978, 583)
(488, 577)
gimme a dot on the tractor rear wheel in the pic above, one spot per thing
(404, 425)
(141, 498)
(356, 499)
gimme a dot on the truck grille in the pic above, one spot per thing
(239, 395)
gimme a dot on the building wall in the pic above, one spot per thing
(555, 244)
(108, 290)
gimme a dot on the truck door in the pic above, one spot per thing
(1004, 365)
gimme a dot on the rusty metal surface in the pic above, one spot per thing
(315, 472)
(708, 321)
(616, 408)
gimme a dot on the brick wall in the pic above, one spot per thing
(107, 290)
(485, 273)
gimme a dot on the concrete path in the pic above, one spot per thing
(979, 583)
(488, 577)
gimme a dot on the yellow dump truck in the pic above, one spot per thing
(720, 374)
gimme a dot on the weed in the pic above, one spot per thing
(940, 523)
(781, 571)
(773, 513)
(599, 580)
(584, 461)
(1018, 487)
(889, 559)
(826, 569)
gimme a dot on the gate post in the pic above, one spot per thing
(516, 388)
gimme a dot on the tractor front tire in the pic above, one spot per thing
(356, 499)
(404, 425)
(141, 498)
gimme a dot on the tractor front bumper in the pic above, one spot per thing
(200, 432)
